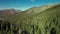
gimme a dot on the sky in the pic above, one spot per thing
(24, 4)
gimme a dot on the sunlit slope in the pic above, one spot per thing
(35, 10)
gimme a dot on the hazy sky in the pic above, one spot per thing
(24, 4)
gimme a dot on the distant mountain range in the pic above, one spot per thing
(9, 11)
(29, 11)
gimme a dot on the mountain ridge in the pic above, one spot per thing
(9, 11)
(32, 10)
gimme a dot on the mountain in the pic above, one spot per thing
(44, 21)
(9, 11)
(39, 9)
